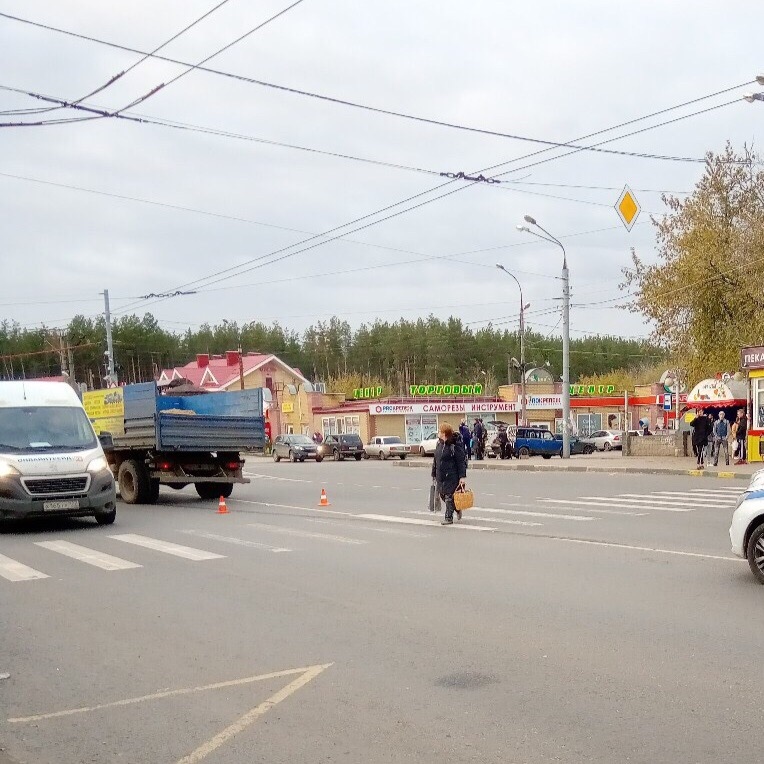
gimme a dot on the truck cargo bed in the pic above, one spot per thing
(212, 422)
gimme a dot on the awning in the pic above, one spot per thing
(717, 393)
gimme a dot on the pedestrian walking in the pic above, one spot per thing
(449, 469)
(700, 430)
(503, 443)
(721, 434)
(742, 437)
(464, 431)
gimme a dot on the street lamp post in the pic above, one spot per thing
(522, 342)
(565, 329)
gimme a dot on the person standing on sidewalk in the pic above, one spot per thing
(721, 433)
(449, 469)
(464, 431)
(742, 437)
(701, 428)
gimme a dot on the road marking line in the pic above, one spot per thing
(237, 541)
(412, 521)
(164, 694)
(701, 494)
(11, 570)
(88, 556)
(187, 552)
(322, 510)
(491, 520)
(580, 518)
(391, 531)
(646, 549)
(623, 504)
(668, 500)
(593, 510)
(274, 477)
(251, 716)
(306, 534)
(666, 504)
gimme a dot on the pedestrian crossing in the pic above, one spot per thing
(652, 501)
(39, 560)
(86, 554)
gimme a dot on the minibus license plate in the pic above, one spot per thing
(52, 506)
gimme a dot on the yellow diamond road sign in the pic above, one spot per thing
(628, 208)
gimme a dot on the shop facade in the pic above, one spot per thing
(752, 361)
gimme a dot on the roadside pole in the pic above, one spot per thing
(112, 377)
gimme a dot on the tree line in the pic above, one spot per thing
(394, 354)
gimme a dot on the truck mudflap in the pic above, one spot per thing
(99, 498)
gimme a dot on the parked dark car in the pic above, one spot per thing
(577, 446)
(296, 448)
(343, 447)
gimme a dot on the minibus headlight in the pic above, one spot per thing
(6, 470)
(99, 464)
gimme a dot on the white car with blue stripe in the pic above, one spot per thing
(747, 529)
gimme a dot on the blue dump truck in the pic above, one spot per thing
(177, 440)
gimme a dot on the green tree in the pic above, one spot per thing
(704, 294)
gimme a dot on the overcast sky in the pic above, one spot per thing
(550, 70)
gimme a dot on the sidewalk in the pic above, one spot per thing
(613, 462)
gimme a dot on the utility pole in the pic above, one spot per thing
(241, 367)
(565, 355)
(111, 376)
(565, 328)
(62, 355)
(70, 355)
(523, 306)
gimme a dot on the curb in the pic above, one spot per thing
(582, 468)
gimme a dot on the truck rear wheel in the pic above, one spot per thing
(209, 491)
(135, 483)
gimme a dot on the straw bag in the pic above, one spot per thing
(464, 499)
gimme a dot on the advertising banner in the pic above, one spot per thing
(106, 410)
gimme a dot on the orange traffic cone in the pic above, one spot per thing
(222, 508)
(324, 501)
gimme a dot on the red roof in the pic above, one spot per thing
(220, 372)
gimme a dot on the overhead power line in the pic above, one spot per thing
(192, 67)
(345, 102)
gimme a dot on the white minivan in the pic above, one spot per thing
(51, 462)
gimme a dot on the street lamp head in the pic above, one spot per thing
(529, 219)
(760, 80)
(500, 266)
(751, 97)
(523, 228)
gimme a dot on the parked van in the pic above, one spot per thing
(51, 462)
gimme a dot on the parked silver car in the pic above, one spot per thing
(605, 440)
(385, 446)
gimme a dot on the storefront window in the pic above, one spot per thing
(588, 423)
(758, 403)
(419, 427)
(614, 421)
(329, 425)
(353, 425)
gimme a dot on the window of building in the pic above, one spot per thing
(419, 427)
(353, 425)
(758, 403)
(588, 423)
(614, 420)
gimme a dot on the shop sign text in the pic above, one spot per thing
(420, 390)
(364, 393)
(592, 389)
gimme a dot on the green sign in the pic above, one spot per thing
(592, 389)
(445, 390)
(363, 393)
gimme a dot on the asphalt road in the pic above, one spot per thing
(569, 618)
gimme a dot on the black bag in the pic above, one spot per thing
(434, 505)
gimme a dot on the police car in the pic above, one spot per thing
(747, 529)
